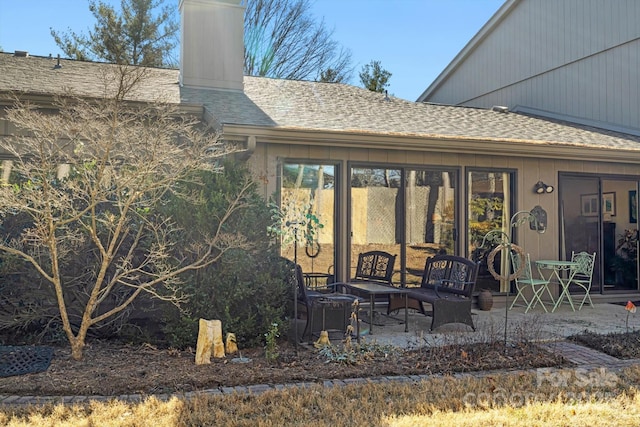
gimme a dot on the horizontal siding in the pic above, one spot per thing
(574, 57)
(601, 88)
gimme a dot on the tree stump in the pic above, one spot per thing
(209, 339)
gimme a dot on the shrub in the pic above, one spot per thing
(245, 289)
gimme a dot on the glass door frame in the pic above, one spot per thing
(623, 206)
(511, 199)
(335, 220)
(402, 210)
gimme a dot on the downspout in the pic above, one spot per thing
(250, 148)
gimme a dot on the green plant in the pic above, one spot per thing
(271, 339)
(246, 289)
(624, 263)
(105, 204)
(485, 216)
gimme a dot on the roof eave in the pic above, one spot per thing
(502, 147)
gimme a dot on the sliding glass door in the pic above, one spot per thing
(619, 228)
(600, 215)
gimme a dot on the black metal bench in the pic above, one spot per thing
(447, 284)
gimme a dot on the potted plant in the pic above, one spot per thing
(485, 300)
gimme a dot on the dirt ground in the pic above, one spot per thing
(110, 368)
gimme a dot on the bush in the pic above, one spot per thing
(245, 289)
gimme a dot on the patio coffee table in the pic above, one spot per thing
(373, 289)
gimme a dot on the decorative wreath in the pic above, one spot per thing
(492, 256)
(312, 249)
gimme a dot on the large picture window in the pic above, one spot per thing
(375, 211)
(408, 212)
(430, 201)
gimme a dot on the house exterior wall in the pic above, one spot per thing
(576, 58)
(267, 157)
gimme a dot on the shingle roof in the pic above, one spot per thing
(40, 76)
(288, 104)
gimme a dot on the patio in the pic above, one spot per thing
(535, 325)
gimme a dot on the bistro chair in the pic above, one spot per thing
(525, 280)
(375, 266)
(584, 273)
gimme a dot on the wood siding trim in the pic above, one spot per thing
(493, 147)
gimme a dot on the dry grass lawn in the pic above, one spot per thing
(568, 397)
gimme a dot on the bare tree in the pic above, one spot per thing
(91, 173)
(283, 40)
(142, 33)
(332, 76)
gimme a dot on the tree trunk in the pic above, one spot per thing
(77, 347)
(77, 341)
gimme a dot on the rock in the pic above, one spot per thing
(231, 345)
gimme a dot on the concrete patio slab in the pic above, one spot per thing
(535, 325)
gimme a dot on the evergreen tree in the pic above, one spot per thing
(374, 77)
(142, 33)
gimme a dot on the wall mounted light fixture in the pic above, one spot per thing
(541, 188)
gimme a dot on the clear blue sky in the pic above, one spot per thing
(413, 39)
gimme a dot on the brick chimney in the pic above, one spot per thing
(211, 44)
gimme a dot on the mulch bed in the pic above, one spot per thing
(111, 368)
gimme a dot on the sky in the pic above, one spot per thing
(413, 39)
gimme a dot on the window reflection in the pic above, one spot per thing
(307, 202)
(489, 208)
